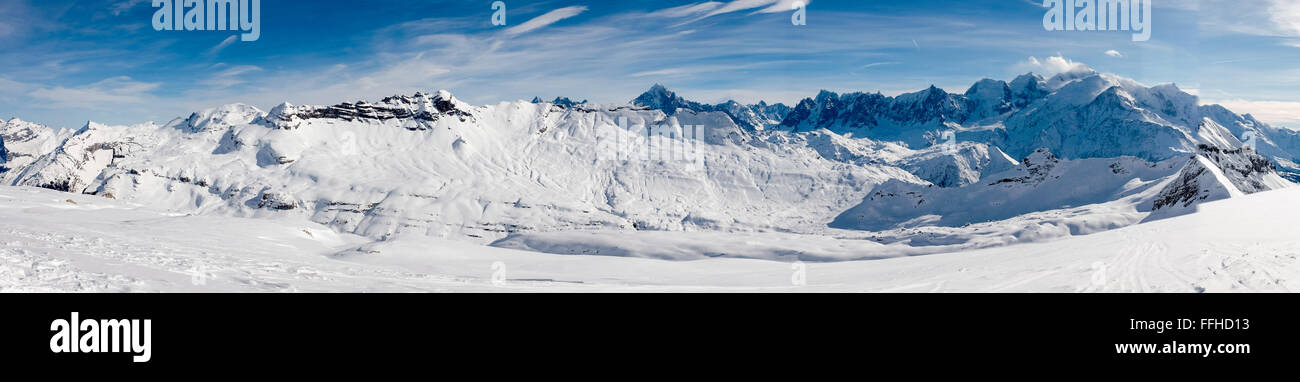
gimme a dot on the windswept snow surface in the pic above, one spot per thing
(425, 192)
(53, 241)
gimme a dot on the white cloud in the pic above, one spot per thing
(1271, 112)
(769, 6)
(548, 18)
(222, 45)
(123, 6)
(875, 64)
(107, 94)
(1285, 15)
(785, 6)
(1277, 18)
(1050, 66)
(1114, 53)
(687, 10)
(230, 76)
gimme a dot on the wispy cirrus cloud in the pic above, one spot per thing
(1279, 18)
(222, 45)
(228, 76)
(105, 94)
(544, 20)
(700, 11)
(122, 6)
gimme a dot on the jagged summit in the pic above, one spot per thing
(219, 118)
(561, 101)
(417, 111)
(1212, 174)
(662, 99)
(751, 117)
(1080, 113)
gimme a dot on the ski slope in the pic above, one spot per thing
(59, 242)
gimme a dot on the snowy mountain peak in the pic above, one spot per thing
(989, 98)
(566, 102)
(989, 87)
(662, 99)
(1040, 157)
(419, 110)
(751, 117)
(1214, 174)
(1027, 78)
(1063, 78)
(659, 89)
(1114, 97)
(221, 118)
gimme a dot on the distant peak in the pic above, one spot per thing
(660, 98)
(1026, 79)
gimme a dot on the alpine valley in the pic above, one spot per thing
(1028, 185)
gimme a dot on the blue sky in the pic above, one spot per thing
(63, 62)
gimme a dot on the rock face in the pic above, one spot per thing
(277, 201)
(751, 117)
(1215, 174)
(420, 111)
(561, 101)
(79, 159)
(21, 143)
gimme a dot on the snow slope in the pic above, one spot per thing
(840, 178)
(1043, 183)
(55, 241)
(21, 143)
(432, 165)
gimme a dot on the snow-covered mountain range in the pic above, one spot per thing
(926, 172)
